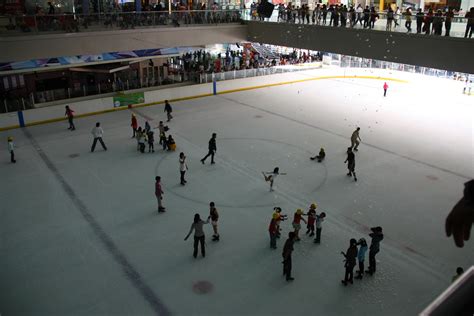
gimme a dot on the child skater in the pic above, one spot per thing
(273, 230)
(278, 218)
(151, 140)
(272, 176)
(214, 216)
(319, 227)
(361, 257)
(296, 223)
(311, 220)
(320, 157)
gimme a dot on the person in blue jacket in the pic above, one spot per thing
(361, 257)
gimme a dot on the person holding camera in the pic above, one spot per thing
(377, 237)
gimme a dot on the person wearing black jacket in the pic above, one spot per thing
(461, 218)
(351, 163)
(287, 251)
(212, 149)
(168, 110)
(377, 237)
(420, 16)
(350, 262)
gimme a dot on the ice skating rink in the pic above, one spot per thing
(80, 234)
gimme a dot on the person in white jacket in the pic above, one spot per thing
(98, 132)
(11, 149)
(182, 167)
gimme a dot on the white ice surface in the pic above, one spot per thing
(417, 152)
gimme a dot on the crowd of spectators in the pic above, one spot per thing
(339, 15)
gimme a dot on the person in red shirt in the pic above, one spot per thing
(70, 118)
(311, 219)
(296, 222)
(134, 125)
(385, 88)
(159, 194)
(273, 229)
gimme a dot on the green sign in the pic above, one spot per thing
(129, 98)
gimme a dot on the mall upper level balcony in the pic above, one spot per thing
(426, 41)
(26, 37)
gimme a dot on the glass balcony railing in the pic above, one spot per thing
(436, 26)
(69, 23)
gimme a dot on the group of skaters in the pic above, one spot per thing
(430, 22)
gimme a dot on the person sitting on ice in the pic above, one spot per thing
(272, 176)
(320, 157)
(170, 143)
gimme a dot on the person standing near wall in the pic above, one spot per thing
(420, 16)
(70, 117)
(98, 132)
(470, 23)
(11, 149)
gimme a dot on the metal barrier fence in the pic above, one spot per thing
(68, 23)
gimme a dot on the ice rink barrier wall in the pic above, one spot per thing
(98, 106)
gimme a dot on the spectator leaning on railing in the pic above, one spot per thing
(470, 22)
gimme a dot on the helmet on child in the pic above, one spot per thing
(313, 206)
(10, 138)
(299, 211)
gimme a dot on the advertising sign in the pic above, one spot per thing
(129, 99)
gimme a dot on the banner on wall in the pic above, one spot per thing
(127, 99)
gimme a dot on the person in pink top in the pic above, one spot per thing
(159, 194)
(385, 88)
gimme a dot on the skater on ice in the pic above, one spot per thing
(70, 117)
(199, 237)
(273, 230)
(271, 176)
(279, 217)
(151, 141)
(212, 149)
(134, 125)
(385, 88)
(311, 220)
(11, 149)
(351, 163)
(361, 257)
(147, 127)
(355, 139)
(287, 251)
(320, 157)
(298, 217)
(170, 143)
(319, 227)
(350, 261)
(183, 167)
(97, 132)
(214, 216)
(377, 237)
(159, 194)
(168, 111)
(141, 140)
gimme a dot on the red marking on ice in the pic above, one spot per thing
(202, 287)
